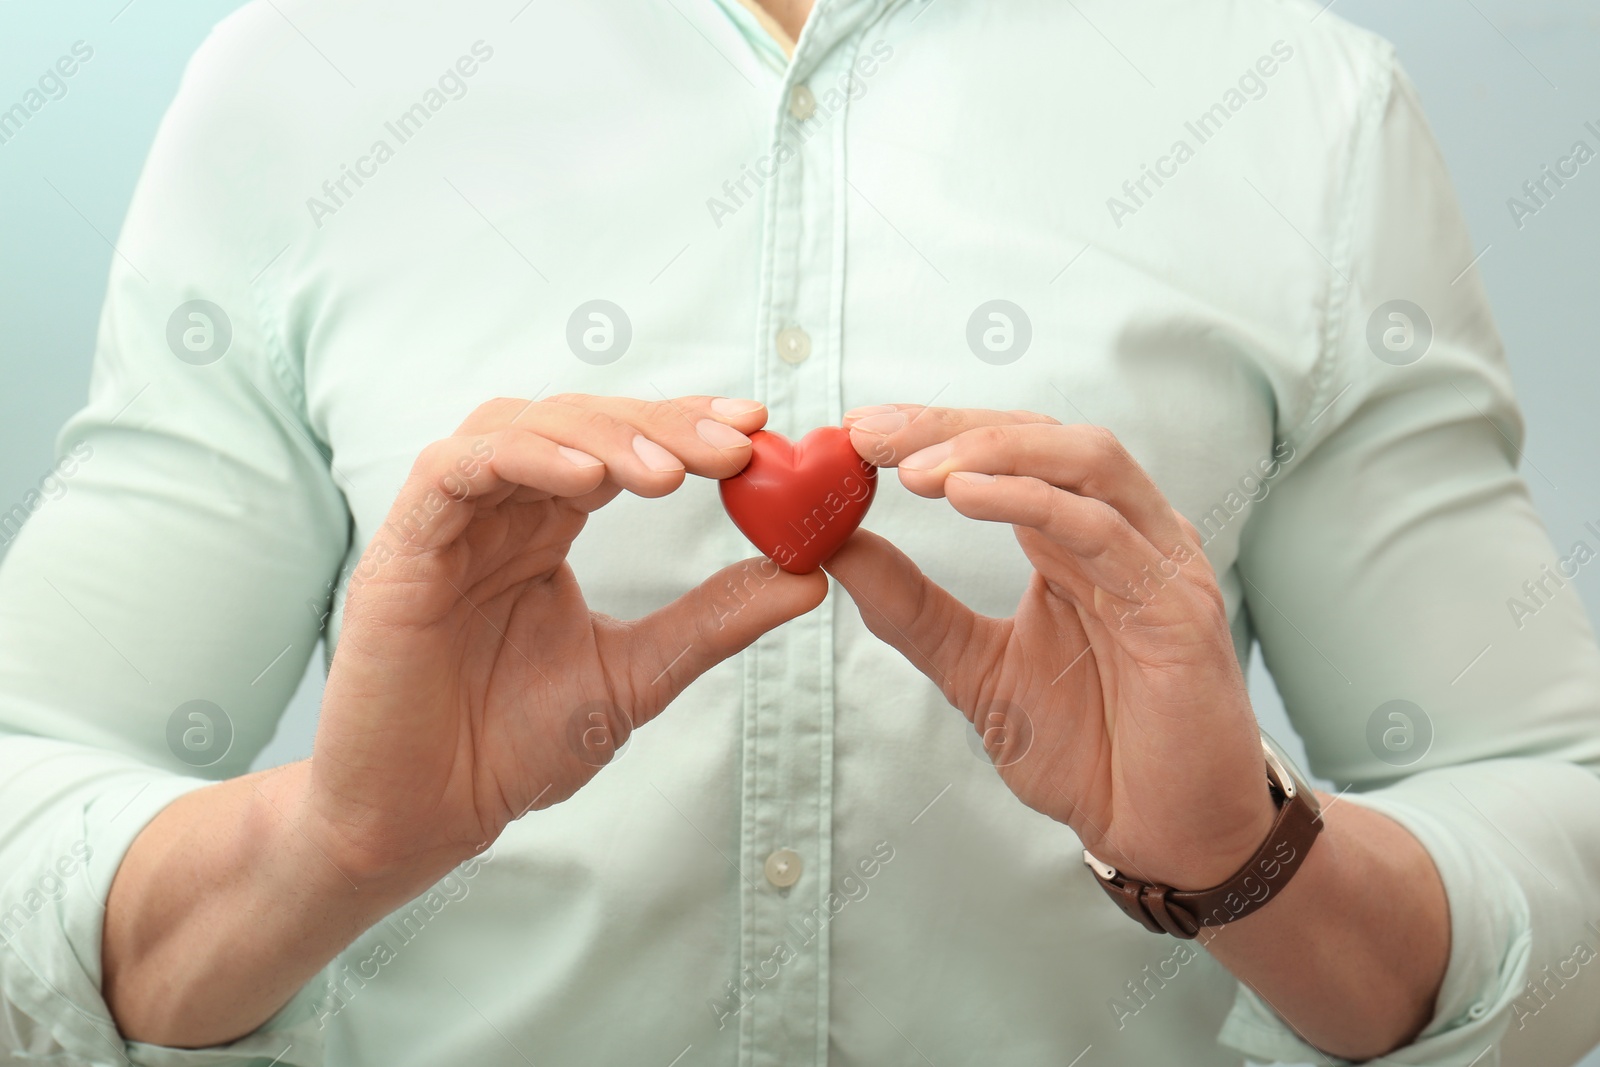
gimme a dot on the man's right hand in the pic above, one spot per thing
(471, 683)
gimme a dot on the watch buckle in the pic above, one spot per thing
(1099, 867)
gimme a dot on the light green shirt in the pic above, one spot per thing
(1198, 213)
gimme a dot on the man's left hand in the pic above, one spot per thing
(1112, 700)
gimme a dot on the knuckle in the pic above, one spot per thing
(1103, 442)
(575, 399)
(491, 412)
(592, 424)
(986, 438)
(451, 463)
(1105, 457)
(1102, 523)
(432, 458)
(1043, 503)
(629, 407)
(671, 415)
(483, 449)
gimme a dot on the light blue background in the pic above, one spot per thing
(1508, 85)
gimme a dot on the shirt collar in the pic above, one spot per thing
(831, 22)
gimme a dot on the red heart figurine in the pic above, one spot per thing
(799, 503)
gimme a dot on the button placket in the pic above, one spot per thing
(787, 819)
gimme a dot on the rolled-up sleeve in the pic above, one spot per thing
(88, 805)
(1421, 626)
(166, 591)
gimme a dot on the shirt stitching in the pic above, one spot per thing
(1324, 372)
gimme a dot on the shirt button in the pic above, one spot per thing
(783, 868)
(794, 344)
(802, 102)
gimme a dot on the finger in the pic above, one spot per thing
(452, 476)
(1087, 460)
(909, 611)
(671, 647)
(885, 432)
(705, 435)
(709, 434)
(578, 447)
(1190, 530)
(633, 459)
(1107, 550)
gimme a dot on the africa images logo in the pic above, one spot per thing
(451, 85)
(1251, 85)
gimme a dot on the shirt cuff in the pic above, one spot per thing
(1491, 936)
(52, 912)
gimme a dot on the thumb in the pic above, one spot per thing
(907, 609)
(674, 645)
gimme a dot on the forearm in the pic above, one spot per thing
(1353, 951)
(225, 906)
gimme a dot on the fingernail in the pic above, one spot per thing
(870, 409)
(884, 422)
(928, 458)
(971, 477)
(723, 405)
(654, 456)
(577, 458)
(720, 434)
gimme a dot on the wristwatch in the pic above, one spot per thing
(1183, 913)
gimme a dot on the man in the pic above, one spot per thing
(1159, 313)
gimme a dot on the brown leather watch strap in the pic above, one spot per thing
(1162, 909)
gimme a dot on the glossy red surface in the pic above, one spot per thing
(798, 502)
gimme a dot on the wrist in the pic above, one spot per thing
(1223, 856)
(1160, 903)
(224, 905)
(1194, 863)
(1354, 951)
(289, 820)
